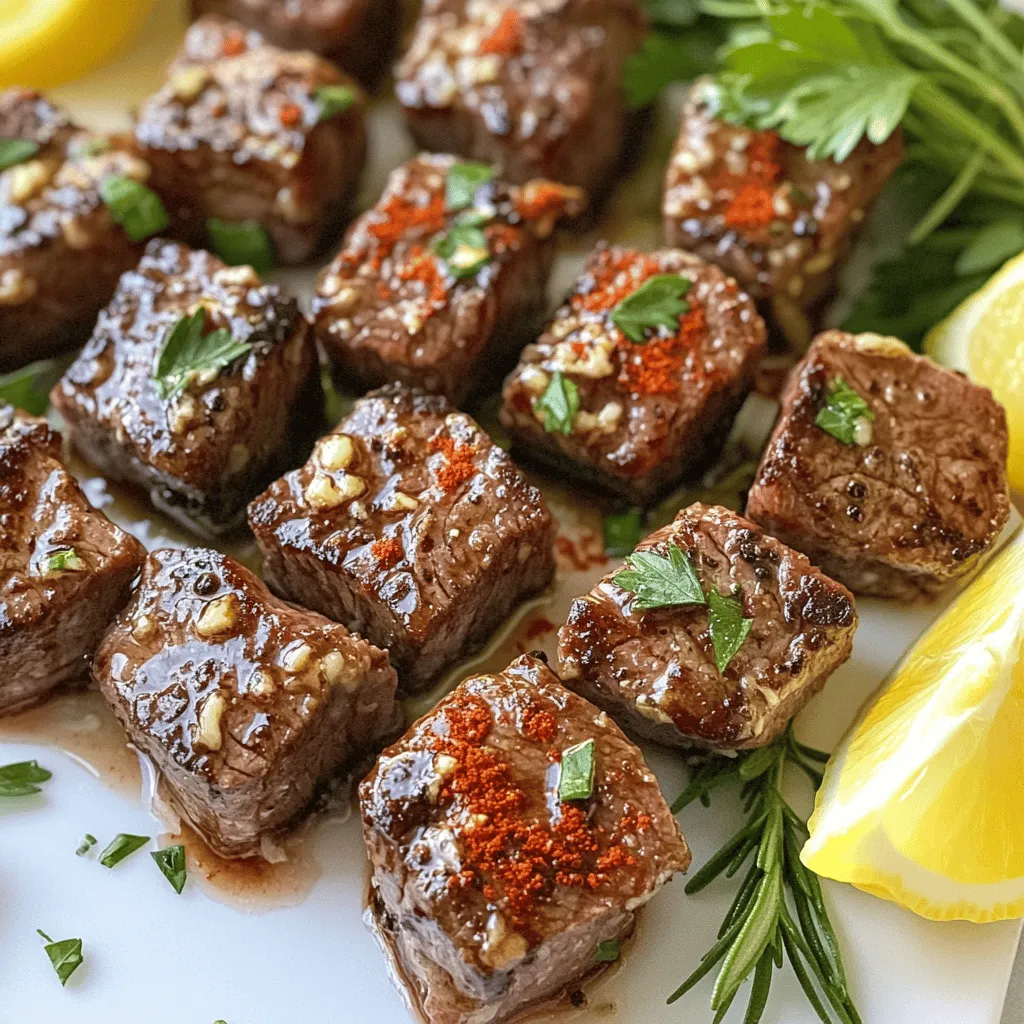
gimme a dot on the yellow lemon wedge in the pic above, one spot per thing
(922, 803)
(46, 42)
(984, 337)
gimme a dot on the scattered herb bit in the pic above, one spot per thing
(729, 629)
(559, 403)
(16, 151)
(121, 846)
(87, 843)
(171, 861)
(845, 415)
(464, 249)
(334, 99)
(65, 955)
(658, 581)
(658, 302)
(759, 926)
(622, 532)
(136, 208)
(22, 779)
(607, 952)
(28, 389)
(188, 351)
(65, 560)
(576, 772)
(241, 243)
(463, 181)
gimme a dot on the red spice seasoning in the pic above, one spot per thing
(751, 204)
(234, 43)
(541, 199)
(402, 218)
(421, 266)
(290, 115)
(459, 466)
(387, 551)
(507, 37)
(539, 725)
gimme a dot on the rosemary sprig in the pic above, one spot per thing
(778, 909)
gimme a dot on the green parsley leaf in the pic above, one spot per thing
(463, 181)
(658, 581)
(87, 843)
(607, 952)
(171, 861)
(729, 629)
(136, 208)
(65, 955)
(843, 413)
(559, 403)
(23, 389)
(991, 247)
(241, 243)
(22, 778)
(334, 99)
(121, 846)
(576, 772)
(622, 532)
(65, 560)
(464, 250)
(665, 57)
(187, 350)
(16, 151)
(672, 13)
(658, 302)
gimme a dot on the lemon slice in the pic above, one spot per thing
(922, 802)
(984, 337)
(46, 42)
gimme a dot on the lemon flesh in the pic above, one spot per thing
(984, 337)
(46, 42)
(923, 803)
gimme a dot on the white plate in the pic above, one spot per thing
(160, 958)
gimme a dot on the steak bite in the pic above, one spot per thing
(357, 35)
(445, 276)
(65, 569)
(780, 223)
(715, 634)
(199, 384)
(494, 883)
(413, 528)
(532, 87)
(887, 470)
(244, 703)
(639, 374)
(61, 250)
(268, 141)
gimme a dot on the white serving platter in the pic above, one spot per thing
(287, 945)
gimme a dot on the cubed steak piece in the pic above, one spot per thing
(713, 634)
(409, 525)
(443, 280)
(357, 35)
(199, 384)
(779, 222)
(245, 704)
(73, 214)
(638, 376)
(255, 151)
(513, 833)
(65, 569)
(887, 470)
(535, 88)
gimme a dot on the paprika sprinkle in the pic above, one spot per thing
(387, 552)
(506, 39)
(459, 466)
(750, 205)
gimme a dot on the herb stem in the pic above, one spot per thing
(968, 12)
(949, 200)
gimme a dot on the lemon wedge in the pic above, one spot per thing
(984, 337)
(46, 42)
(922, 802)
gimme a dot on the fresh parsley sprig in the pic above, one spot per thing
(778, 910)
(22, 779)
(187, 351)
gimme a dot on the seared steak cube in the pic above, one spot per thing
(61, 251)
(445, 276)
(713, 635)
(357, 35)
(411, 527)
(270, 142)
(493, 881)
(639, 375)
(199, 384)
(244, 703)
(887, 470)
(65, 569)
(535, 88)
(779, 222)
